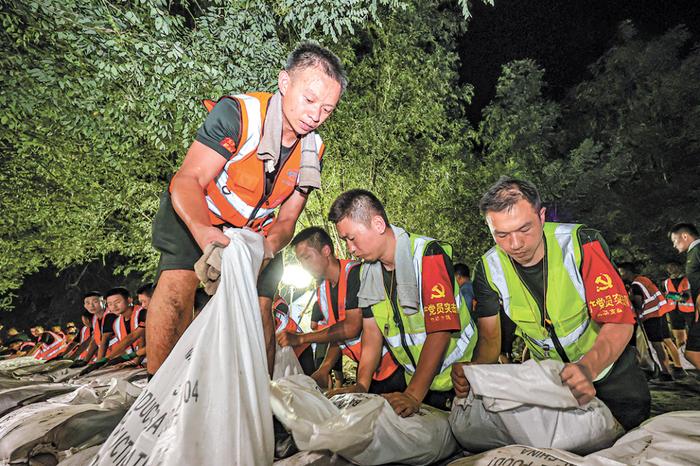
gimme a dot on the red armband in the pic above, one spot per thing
(439, 306)
(606, 296)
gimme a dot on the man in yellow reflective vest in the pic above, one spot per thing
(556, 282)
(410, 302)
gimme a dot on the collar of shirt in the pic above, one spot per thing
(693, 244)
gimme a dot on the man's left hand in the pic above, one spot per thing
(404, 404)
(578, 378)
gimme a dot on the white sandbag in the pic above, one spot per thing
(527, 404)
(80, 458)
(16, 363)
(73, 421)
(210, 402)
(286, 363)
(363, 428)
(521, 455)
(12, 398)
(671, 439)
(313, 458)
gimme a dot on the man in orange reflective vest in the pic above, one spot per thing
(651, 308)
(50, 345)
(336, 301)
(677, 292)
(254, 153)
(129, 327)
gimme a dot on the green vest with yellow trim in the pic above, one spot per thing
(565, 296)
(405, 334)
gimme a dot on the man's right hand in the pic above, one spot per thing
(287, 338)
(459, 380)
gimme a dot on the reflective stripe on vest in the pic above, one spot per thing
(460, 347)
(683, 287)
(654, 304)
(120, 330)
(51, 351)
(97, 333)
(236, 195)
(566, 308)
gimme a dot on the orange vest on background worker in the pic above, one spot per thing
(121, 332)
(85, 335)
(237, 195)
(27, 346)
(655, 304)
(97, 334)
(683, 287)
(49, 351)
(283, 321)
(350, 348)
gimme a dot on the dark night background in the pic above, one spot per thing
(564, 37)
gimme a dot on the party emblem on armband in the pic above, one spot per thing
(437, 291)
(603, 282)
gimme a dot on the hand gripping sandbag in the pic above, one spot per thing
(527, 404)
(362, 428)
(209, 403)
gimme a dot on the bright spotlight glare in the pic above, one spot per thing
(295, 275)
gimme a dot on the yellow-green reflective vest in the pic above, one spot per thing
(405, 334)
(565, 296)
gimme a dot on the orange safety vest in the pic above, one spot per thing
(52, 350)
(284, 322)
(84, 336)
(683, 287)
(350, 348)
(97, 333)
(121, 332)
(27, 345)
(237, 196)
(655, 304)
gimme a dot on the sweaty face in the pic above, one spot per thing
(518, 231)
(313, 260)
(117, 304)
(309, 96)
(363, 241)
(92, 304)
(680, 241)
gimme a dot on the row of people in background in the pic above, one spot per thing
(113, 330)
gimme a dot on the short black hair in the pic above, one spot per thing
(317, 237)
(684, 228)
(506, 192)
(357, 204)
(462, 270)
(146, 289)
(308, 54)
(90, 294)
(120, 290)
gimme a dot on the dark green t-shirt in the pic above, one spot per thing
(488, 300)
(692, 270)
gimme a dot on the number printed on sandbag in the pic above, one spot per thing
(189, 391)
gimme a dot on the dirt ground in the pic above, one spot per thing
(680, 395)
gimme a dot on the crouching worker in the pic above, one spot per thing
(556, 282)
(336, 301)
(129, 327)
(409, 300)
(50, 345)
